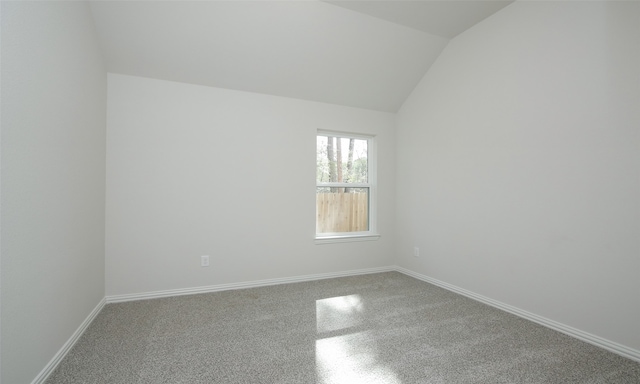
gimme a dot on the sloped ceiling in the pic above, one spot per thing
(302, 49)
(441, 18)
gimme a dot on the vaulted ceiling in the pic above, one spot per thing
(367, 54)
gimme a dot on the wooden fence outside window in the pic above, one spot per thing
(342, 212)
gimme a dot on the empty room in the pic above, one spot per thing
(387, 192)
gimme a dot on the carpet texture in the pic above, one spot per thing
(384, 328)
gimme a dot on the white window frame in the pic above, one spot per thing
(372, 185)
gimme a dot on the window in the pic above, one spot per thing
(345, 187)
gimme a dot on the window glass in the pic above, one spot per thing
(343, 189)
(341, 160)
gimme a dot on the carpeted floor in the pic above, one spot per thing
(384, 328)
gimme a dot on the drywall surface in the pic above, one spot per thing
(302, 49)
(53, 180)
(195, 170)
(519, 165)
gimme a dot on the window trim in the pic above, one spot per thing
(372, 185)
(352, 237)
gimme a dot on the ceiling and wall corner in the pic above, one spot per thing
(441, 18)
(308, 50)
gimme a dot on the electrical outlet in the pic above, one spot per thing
(204, 261)
(416, 252)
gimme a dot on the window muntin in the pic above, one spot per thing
(344, 185)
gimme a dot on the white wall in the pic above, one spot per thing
(194, 170)
(53, 180)
(519, 167)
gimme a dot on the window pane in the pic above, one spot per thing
(342, 209)
(341, 160)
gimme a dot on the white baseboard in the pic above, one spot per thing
(51, 366)
(619, 349)
(248, 284)
(598, 341)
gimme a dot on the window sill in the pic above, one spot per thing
(346, 238)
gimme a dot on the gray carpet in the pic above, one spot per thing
(384, 328)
